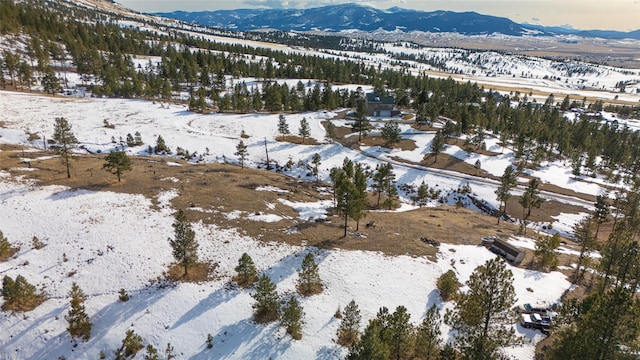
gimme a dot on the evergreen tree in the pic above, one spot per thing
(507, 182)
(241, 153)
(184, 244)
(131, 344)
(600, 213)
(448, 285)
(315, 160)
(19, 295)
(330, 134)
(399, 334)
(349, 328)
(371, 346)
(361, 123)
(283, 127)
(477, 166)
(448, 352)
(437, 144)
(428, 335)
(583, 233)
(161, 146)
(246, 269)
(79, 324)
(600, 327)
(359, 197)
(6, 250)
(384, 183)
(530, 198)
(545, 251)
(291, 318)
(117, 162)
(391, 133)
(309, 282)
(267, 304)
(304, 131)
(422, 195)
(64, 136)
(152, 353)
(483, 316)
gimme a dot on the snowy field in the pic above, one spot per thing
(113, 241)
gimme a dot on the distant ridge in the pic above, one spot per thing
(336, 18)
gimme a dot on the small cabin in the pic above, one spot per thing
(511, 253)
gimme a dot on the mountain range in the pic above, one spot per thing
(336, 18)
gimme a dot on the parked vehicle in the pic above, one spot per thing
(537, 322)
(533, 308)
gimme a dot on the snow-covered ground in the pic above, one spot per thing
(114, 241)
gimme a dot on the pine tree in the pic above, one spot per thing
(359, 197)
(152, 353)
(507, 182)
(246, 269)
(304, 131)
(131, 344)
(241, 153)
(530, 198)
(267, 301)
(483, 316)
(64, 136)
(79, 324)
(117, 162)
(371, 346)
(448, 285)
(422, 195)
(600, 213)
(184, 244)
(161, 146)
(477, 166)
(545, 251)
(283, 127)
(349, 328)
(291, 318)
(428, 335)
(437, 144)
(6, 250)
(399, 334)
(19, 295)
(309, 282)
(330, 134)
(611, 318)
(315, 160)
(391, 133)
(583, 234)
(361, 123)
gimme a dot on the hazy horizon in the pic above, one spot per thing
(621, 15)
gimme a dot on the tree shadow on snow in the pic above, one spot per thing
(247, 340)
(212, 301)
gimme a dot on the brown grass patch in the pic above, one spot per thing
(24, 305)
(298, 140)
(218, 189)
(199, 272)
(375, 140)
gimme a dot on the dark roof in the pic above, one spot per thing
(506, 247)
(376, 98)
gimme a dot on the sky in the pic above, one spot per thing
(623, 15)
